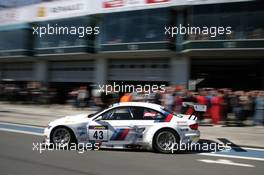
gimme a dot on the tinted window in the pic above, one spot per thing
(140, 113)
(122, 113)
(244, 18)
(9, 39)
(134, 26)
(64, 26)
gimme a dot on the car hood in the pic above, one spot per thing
(71, 119)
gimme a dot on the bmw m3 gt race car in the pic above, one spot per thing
(127, 125)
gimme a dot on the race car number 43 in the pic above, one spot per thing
(98, 133)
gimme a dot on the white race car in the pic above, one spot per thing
(127, 125)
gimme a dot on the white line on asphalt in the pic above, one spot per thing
(255, 149)
(24, 132)
(231, 156)
(226, 162)
(15, 124)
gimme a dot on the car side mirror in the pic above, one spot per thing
(90, 115)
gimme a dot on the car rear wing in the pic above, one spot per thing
(193, 109)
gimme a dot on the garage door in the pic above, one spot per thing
(17, 71)
(139, 70)
(71, 71)
(241, 74)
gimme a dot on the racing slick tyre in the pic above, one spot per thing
(164, 140)
(62, 137)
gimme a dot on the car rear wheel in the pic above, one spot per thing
(164, 141)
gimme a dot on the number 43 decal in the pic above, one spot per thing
(98, 135)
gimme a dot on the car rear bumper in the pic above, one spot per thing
(191, 137)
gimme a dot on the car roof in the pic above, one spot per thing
(139, 104)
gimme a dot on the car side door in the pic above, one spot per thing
(144, 118)
(112, 128)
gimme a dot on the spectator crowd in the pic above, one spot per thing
(32, 92)
(224, 106)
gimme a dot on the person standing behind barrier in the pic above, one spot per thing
(225, 105)
(216, 102)
(238, 110)
(127, 97)
(158, 97)
(209, 96)
(168, 99)
(73, 97)
(82, 96)
(246, 103)
(202, 100)
(259, 109)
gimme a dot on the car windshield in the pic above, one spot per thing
(101, 110)
(93, 114)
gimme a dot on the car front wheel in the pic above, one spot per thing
(62, 136)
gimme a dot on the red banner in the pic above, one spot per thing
(126, 3)
(113, 3)
(156, 1)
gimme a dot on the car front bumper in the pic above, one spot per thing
(46, 139)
